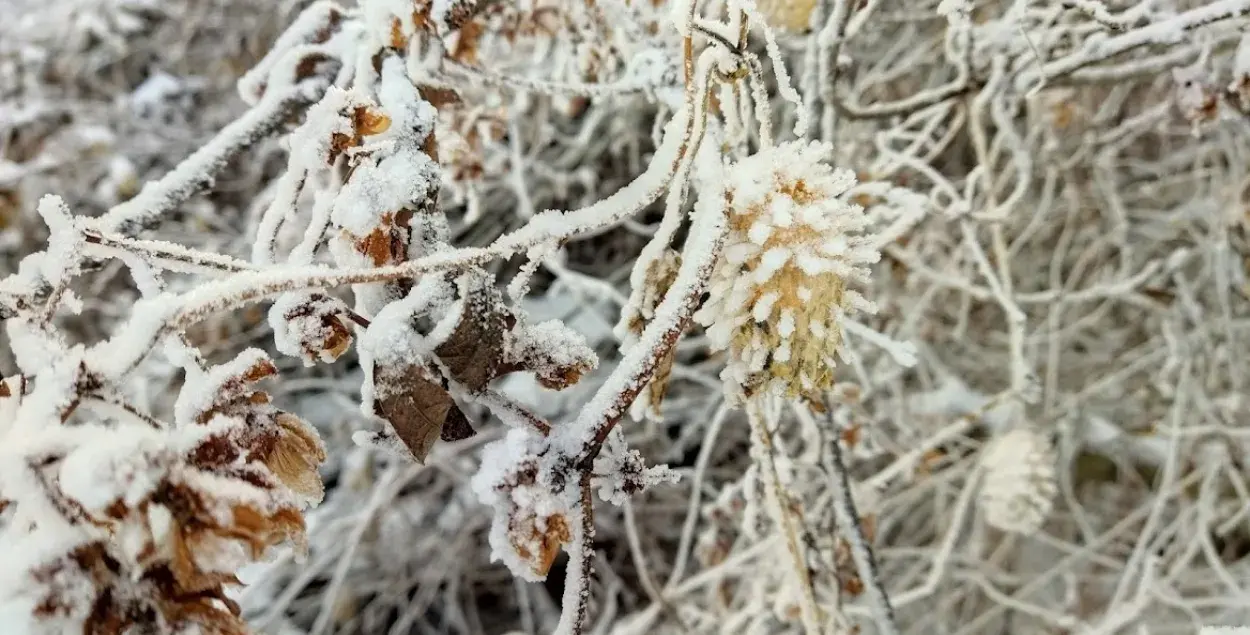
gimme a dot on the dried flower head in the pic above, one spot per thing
(781, 284)
(557, 355)
(247, 425)
(1019, 485)
(150, 526)
(310, 326)
(531, 523)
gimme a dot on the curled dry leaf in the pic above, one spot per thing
(557, 355)
(539, 542)
(237, 391)
(660, 276)
(289, 447)
(417, 408)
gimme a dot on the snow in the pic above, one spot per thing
(313, 19)
(413, 116)
(396, 182)
(160, 87)
(310, 152)
(496, 484)
(61, 261)
(392, 339)
(203, 390)
(21, 592)
(555, 343)
(299, 323)
(126, 466)
(115, 357)
(784, 86)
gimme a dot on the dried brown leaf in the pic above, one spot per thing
(457, 427)
(474, 352)
(417, 408)
(439, 96)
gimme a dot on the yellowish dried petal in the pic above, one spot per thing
(295, 458)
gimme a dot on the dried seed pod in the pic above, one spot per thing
(310, 326)
(781, 283)
(295, 457)
(538, 539)
(1019, 486)
(246, 425)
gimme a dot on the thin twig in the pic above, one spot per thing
(853, 527)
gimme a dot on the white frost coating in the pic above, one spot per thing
(33, 348)
(20, 593)
(307, 326)
(394, 175)
(118, 355)
(312, 20)
(501, 483)
(385, 442)
(628, 473)
(439, 10)
(904, 353)
(498, 457)
(554, 342)
(394, 183)
(61, 260)
(379, 15)
(392, 338)
(698, 255)
(311, 146)
(126, 466)
(658, 246)
(756, 20)
(764, 306)
(680, 13)
(200, 390)
(412, 116)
